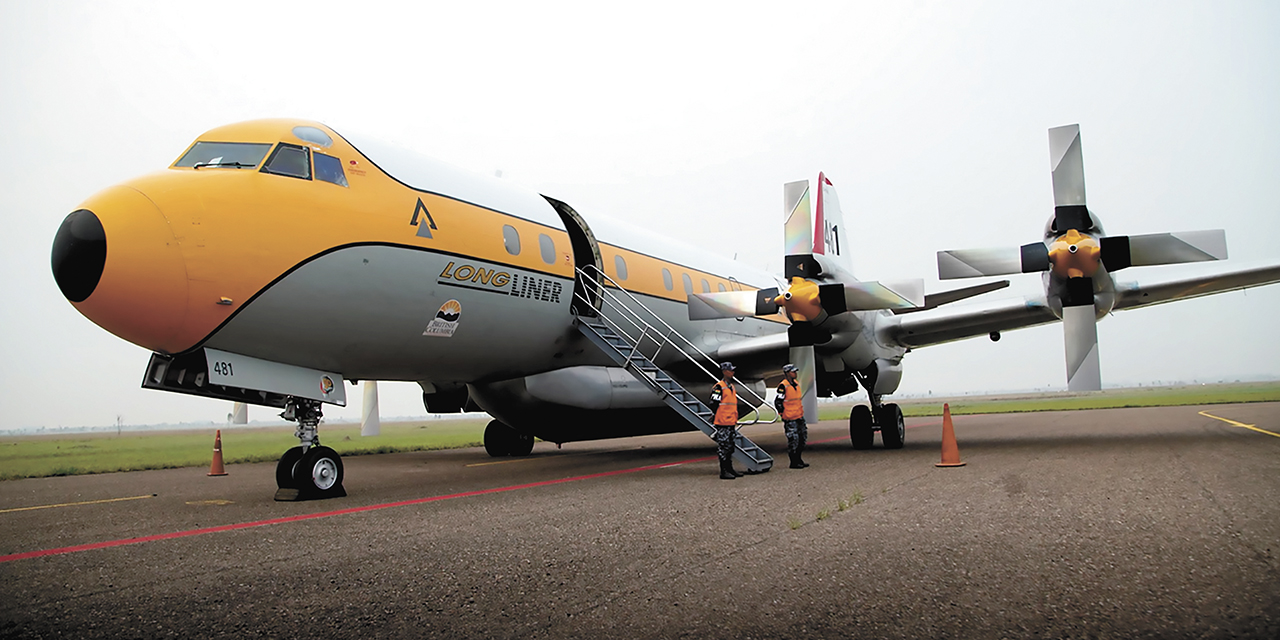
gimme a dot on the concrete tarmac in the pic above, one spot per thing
(1126, 523)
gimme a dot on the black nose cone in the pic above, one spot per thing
(79, 253)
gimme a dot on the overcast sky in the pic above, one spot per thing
(930, 118)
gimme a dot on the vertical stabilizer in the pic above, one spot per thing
(830, 236)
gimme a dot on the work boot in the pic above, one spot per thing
(799, 452)
(795, 460)
(727, 472)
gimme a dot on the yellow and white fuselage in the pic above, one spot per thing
(285, 241)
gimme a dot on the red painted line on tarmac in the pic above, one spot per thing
(327, 514)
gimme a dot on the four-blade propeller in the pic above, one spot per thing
(1078, 259)
(817, 288)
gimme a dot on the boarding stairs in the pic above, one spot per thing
(624, 334)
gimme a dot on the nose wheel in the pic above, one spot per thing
(308, 471)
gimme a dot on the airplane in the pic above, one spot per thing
(276, 260)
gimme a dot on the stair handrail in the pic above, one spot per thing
(638, 322)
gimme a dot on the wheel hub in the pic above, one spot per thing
(324, 473)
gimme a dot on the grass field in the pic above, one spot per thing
(38, 456)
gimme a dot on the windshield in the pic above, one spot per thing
(240, 155)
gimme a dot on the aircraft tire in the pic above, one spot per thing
(893, 430)
(523, 444)
(498, 439)
(319, 473)
(861, 433)
(284, 468)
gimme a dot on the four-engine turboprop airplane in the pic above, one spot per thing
(277, 259)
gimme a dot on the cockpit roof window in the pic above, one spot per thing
(236, 155)
(329, 169)
(313, 135)
(289, 160)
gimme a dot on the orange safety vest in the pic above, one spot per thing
(727, 412)
(792, 401)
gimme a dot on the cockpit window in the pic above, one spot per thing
(290, 160)
(312, 134)
(236, 155)
(329, 169)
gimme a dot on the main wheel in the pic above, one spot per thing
(319, 473)
(522, 445)
(861, 433)
(892, 428)
(284, 468)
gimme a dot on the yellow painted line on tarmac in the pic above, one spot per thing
(1240, 424)
(77, 504)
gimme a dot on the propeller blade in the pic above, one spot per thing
(807, 376)
(798, 232)
(865, 296)
(1066, 161)
(974, 263)
(732, 304)
(1119, 252)
(1080, 335)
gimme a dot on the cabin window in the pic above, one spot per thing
(511, 239)
(720, 285)
(706, 288)
(666, 279)
(548, 248)
(329, 169)
(236, 155)
(620, 267)
(688, 284)
(290, 160)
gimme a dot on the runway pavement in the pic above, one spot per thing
(1124, 523)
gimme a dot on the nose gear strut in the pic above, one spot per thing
(308, 471)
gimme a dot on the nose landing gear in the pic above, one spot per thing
(308, 471)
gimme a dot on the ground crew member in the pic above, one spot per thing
(724, 402)
(790, 405)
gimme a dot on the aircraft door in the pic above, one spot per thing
(586, 260)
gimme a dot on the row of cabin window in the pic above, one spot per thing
(511, 240)
(620, 269)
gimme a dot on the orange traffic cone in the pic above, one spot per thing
(216, 469)
(950, 452)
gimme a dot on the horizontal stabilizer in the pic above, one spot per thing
(935, 300)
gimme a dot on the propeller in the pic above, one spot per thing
(1078, 258)
(816, 289)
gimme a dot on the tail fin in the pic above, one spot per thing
(830, 236)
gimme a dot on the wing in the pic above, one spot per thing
(956, 323)
(1131, 295)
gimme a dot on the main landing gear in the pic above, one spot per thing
(886, 418)
(501, 440)
(308, 471)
